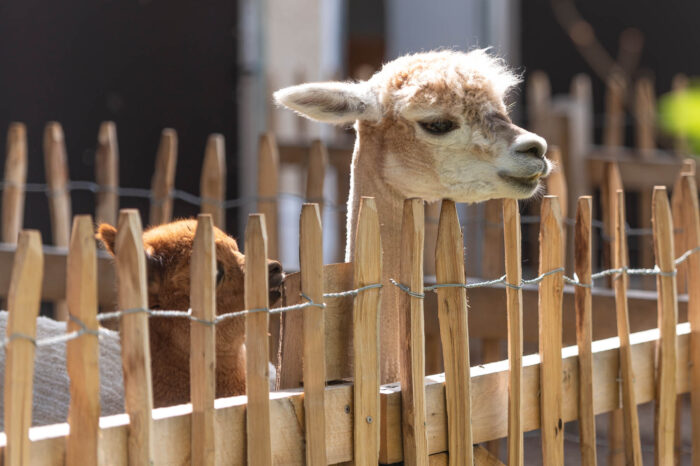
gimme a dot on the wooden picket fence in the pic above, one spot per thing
(423, 420)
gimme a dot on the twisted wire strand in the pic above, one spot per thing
(193, 199)
(178, 194)
(84, 330)
(571, 281)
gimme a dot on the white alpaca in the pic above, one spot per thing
(433, 126)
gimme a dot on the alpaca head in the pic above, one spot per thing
(438, 124)
(168, 248)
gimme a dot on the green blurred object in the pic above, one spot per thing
(679, 114)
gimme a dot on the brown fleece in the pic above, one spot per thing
(168, 248)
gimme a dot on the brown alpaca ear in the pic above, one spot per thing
(108, 235)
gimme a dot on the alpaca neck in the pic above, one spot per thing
(367, 180)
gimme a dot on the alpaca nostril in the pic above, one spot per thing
(274, 268)
(532, 146)
(276, 274)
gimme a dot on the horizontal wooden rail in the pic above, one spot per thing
(54, 284)
(171, 427)
(637, 173)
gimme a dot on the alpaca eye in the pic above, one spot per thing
(438, 126)
(219, 273)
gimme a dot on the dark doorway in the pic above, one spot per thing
(144, 64)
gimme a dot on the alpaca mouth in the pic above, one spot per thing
(523, 182)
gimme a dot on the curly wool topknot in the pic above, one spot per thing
(444, 77)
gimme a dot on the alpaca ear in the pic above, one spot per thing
(331, 102)
(108, 235)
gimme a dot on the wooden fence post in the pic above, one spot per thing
(316, 174)
(514, 296)
(268, 186)
(668, 318)
(493, 266)
(107, 174)
(584, 330)
(454, 333)
(56, 167)
(163, 180)
(612, 182)
(365, 331)
(82, 354)
(257, 345)
(633, 449)
(614, 130)
(311, 266)
(203, 343)
(645, 116)
(680, 234)
(551, 290)
(415, 439)
(539, 95)
(212, 183)
(691, 223)
(136, 352)
(23, 305)
(15, 179)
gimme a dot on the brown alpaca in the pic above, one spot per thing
(168, 248)
(433, 126)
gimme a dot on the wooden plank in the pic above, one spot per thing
(550, 311)
(514, 275)
(311, 264)
(556, 182)
(54, 284)
(681, 240)
(163, 180)
(668, 317)
(556, 186)
(691, 223)
(107, 174)
(612, 182)
(56, 167)
(203, 342)
(614, 129)
(368, 271)
(452, 310)
(539, 95)
(172, 425)
(14, 178)
(415, 440)
(23, 306)
(644, 116)
(257, 346)
(492, 266)
(212, 182)
(433, 350)
(584, 330)
(633, 452)
(136, 352)
(268, 185)
(637, 174)
(82, 354)
(316, 173)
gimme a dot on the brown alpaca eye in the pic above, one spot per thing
(438, 126)
(219, 273)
